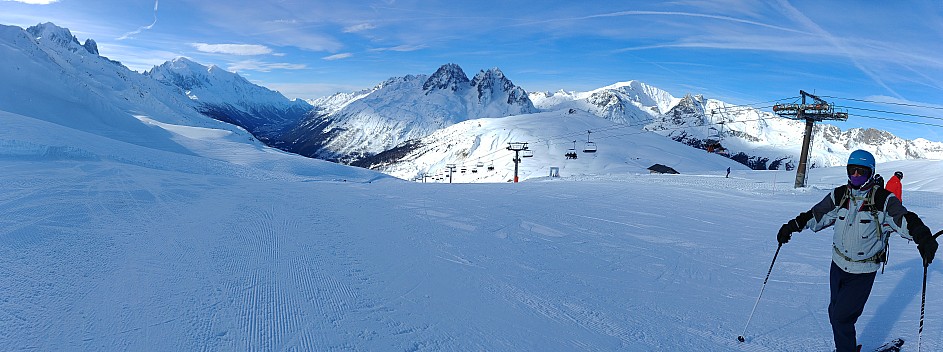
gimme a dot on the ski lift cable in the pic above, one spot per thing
(887, 103)
(889, 112)
(899, 120)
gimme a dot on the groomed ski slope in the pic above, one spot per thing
(106, 246)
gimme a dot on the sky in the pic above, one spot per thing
(742, 52)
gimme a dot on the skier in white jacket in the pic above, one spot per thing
(858, 211)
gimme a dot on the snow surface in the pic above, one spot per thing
(111, 245)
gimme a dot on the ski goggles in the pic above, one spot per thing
(860, 170)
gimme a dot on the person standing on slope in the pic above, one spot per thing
(894, 185)
(857, 210)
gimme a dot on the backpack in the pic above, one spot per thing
(874, 203)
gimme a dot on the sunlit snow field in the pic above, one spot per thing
(107, 245)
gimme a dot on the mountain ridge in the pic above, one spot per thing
(395, 114)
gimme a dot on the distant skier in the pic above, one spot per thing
(857, 210)
(728, 172)
(894, 185)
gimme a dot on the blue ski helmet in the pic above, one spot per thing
(863, 158)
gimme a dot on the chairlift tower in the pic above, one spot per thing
(818, 111)
(451, 168)
(517, 147)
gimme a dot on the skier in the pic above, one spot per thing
(728, 172)
(894, 185)
(857, 210)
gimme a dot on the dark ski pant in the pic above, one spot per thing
(849, 293)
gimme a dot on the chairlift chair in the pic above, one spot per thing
(491, 166)
(571, 153)
(528, 153)
(590, 145)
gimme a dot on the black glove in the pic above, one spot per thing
(926, 244)
(786, 231)
(928, 250)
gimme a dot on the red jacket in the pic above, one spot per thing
(894, 186)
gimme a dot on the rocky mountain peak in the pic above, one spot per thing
(91, 46)
(181, 72)
(492, 78)
(62, 37)
(448, 76)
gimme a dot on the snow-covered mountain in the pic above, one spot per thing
(90, 107)
(351, 126)
(758, 139)
(621, 114)
(379, 126)
(228, 97)
(762, 140)
(49, 75)
(631, 102)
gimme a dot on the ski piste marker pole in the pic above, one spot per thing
(923, 295)
(741, 338)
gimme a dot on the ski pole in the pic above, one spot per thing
(923, 295)
(740, 338)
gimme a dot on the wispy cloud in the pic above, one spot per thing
(233, 49)
(254, 65)
(670, 13)
(134, 57)
(35, 2)
(359, 28)
(337, 56)
(402, 48)
(853, 54)
(139, 30)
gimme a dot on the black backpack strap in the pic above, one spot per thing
(839, 196)
(880, 198)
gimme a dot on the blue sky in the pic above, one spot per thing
(742, 52)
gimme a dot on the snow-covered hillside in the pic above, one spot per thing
(475, 145)
(111, 246)
(49, 75)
